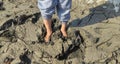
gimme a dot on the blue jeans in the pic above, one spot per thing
(62, 7)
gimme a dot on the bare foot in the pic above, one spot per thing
(64, 33)
(63, 29)
(47, 37)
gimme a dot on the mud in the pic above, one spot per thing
(93, 34)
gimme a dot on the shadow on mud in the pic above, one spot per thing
(96, 15)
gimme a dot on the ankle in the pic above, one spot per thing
(49, 33)
(63, 30)
(64, 26)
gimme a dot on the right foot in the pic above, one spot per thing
(47, 37)
(63, 29)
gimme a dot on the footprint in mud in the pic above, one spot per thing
(1, 6)
(25, 58)
(8, 60)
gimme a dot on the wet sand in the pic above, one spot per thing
(93, 34)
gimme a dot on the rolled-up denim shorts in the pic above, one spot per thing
(49, 7)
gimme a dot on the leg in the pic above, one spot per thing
(63, 11)
(47, 24)
(47, 8)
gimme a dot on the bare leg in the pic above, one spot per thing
(63, 29)
(47, 24)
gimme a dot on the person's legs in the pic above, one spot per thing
(63, 11)
(47, 8)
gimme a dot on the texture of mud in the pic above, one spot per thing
(93, 34)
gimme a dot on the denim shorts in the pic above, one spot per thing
(49, 7)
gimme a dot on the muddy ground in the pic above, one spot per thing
(93, 34)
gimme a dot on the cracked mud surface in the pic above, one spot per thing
(94, 34)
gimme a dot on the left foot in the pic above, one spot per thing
(63, 29)
(64, 33)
